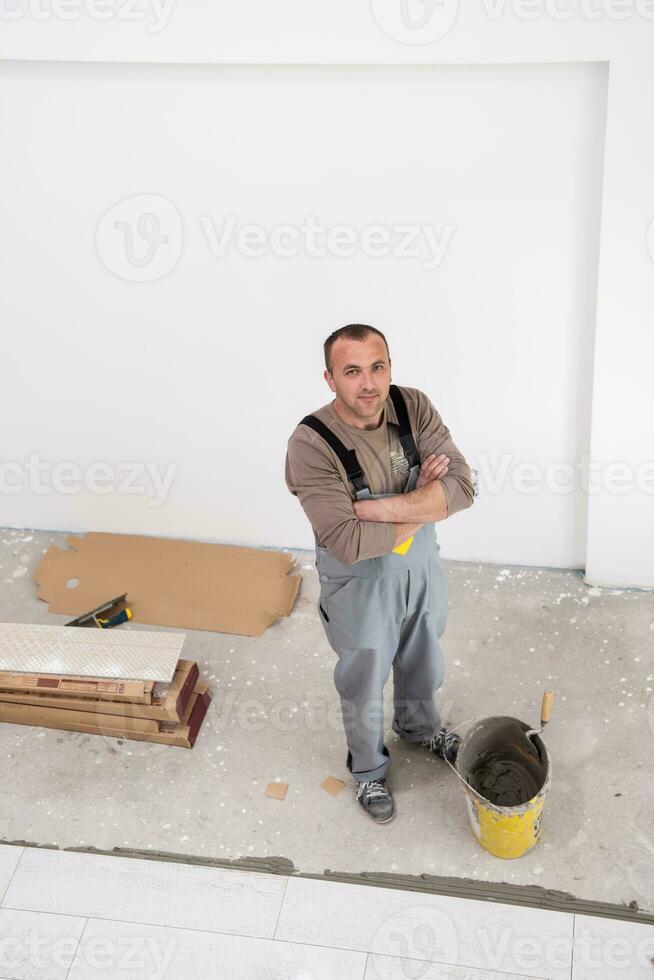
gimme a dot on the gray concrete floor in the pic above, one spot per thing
(512, 632)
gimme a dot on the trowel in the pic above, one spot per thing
(545, 714)
(116, 612)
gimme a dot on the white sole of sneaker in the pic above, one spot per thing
(387, 820)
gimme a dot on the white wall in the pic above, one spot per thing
(211, 366)
(510, 157)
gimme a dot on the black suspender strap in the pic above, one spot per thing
(406, 436)
(348, 457)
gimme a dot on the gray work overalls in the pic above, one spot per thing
(383, 612)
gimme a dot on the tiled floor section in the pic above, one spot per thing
(72, 916)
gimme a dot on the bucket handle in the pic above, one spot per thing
(458, 774)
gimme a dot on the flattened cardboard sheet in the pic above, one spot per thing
(171, 582)
(143, 655)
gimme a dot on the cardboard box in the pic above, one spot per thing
(169, 582)
(182, 735)
(79, 687)
(180, 689)
(171, 708)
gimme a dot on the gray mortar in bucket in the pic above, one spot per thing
(501, 764)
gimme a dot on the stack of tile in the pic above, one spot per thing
(125, 684)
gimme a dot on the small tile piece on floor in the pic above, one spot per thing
(277, 790)
(332, 785)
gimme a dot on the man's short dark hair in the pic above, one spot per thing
(353, 331)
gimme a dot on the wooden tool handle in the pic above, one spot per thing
(546, 707)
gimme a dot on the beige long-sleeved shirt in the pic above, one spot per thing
(317, 477)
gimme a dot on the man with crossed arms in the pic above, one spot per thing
(374, 470)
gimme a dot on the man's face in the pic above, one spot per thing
(360, 368)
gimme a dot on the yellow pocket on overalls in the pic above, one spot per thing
(404, 547)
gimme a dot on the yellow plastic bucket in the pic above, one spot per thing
(505, 777)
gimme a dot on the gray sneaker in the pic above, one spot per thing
(375, 798)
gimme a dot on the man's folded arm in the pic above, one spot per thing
(314, 478)
(434, 437)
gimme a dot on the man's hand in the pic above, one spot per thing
(432, 468)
